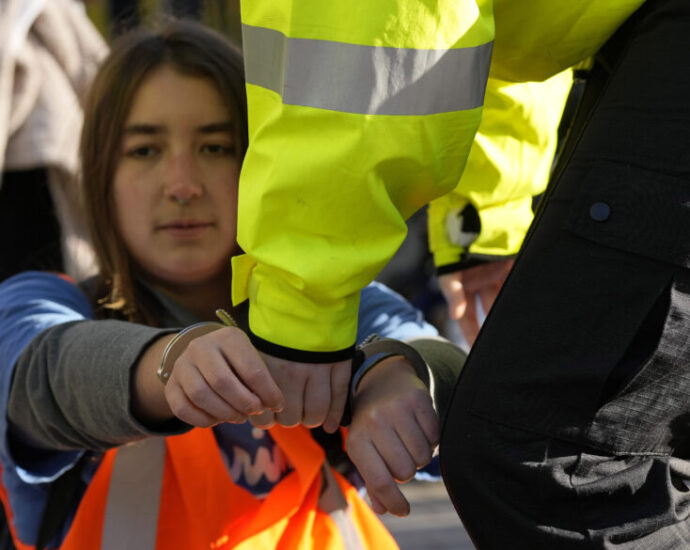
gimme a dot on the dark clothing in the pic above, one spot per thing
(29, 228)
(125, 15)
(570, 425)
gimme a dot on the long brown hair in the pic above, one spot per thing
(189, 48)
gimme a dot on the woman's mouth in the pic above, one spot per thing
(184, 229)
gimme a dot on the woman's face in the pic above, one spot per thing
(175, 184)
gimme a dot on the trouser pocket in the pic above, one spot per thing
(646, 400)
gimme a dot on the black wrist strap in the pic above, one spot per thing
(59, 504)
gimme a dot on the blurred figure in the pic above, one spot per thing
(48, 53)
(185, 8)
(476, 230)
(125, 15)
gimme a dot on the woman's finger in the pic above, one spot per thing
(341, 374)
(250, 368)
(203, 396)
(380, 484)
(185, 410)
(317, 396)
(264, 420)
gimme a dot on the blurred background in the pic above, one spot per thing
(112, 16)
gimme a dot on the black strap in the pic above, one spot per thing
(334, 447)
(65, 491)
(6, 542)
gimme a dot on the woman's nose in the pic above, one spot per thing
(183, 181)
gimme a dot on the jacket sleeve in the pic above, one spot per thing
(540, 38)
(357, 118)
(487, 215)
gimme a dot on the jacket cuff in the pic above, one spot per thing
(301, 356)
(480, 236)
(286, 320)
(470, 260)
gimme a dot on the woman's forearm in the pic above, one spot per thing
(71, 386)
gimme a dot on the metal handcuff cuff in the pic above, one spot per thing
(179, 343)
(374, 346)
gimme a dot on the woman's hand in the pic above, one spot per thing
(316, 393)
(220, 377)
(394, 431)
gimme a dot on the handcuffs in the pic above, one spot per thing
(370, 348)
(374, 346)
(179, 343)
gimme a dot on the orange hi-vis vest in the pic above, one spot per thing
(176, 493)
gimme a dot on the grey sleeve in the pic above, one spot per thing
(71, 387)
(445, 361)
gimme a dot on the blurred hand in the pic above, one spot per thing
(315, 393)
(393, 432)
(462, 288)
(220, 377)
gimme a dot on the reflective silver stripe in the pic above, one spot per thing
(131, 513)
(365, 79)
(348, 533)
(332, 501)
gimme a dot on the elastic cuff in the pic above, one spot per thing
(300, 356)
(471, 260)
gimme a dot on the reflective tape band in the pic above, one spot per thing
(347, 529)
(365, 79)
(333, 502)
(131, 512)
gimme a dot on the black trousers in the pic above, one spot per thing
(570, 424)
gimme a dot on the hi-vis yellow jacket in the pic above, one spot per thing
(359, 115)
(487, 215)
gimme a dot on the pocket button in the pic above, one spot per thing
(600, 212)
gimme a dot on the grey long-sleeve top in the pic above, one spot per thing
(71, 381)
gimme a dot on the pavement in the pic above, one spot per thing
(432, 523)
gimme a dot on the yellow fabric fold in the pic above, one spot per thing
(540, 38)
(242, 267)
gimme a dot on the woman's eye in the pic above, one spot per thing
(218, 150)
(141, 152)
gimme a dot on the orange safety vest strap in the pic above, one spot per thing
(87, 528)
(371, 532)
(131, 512)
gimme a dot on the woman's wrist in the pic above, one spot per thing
(148, 403)
(380, 372)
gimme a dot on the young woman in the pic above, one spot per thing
(97, 452)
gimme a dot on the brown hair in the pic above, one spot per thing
(189, 48)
